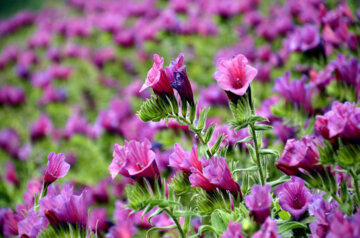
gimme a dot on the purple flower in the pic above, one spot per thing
(32, 225)
(259, 202)
(342, 121)
(10, 174)
(184, 160)
(348, 71)
(235, 75)
(97, 220)
(135, 159)
(233, 231)
(65, 208)
(213, 95)
(346, 227)
(11, 96)
(296, 91)
(10, 141)
(305, 38)
(299, 154)
(182, 84)
(294, 197)
(56, 167)
(157, 78)
(42, 127)
(214, 173)
(268, 230)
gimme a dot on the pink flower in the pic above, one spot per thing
(184, 160)
(157, 78)
(135, 159)
(214, 173)
(233, 231)
(268, 230)
(235, 75)
(57, 167)
(42, 127)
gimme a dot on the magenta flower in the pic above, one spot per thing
(215, 173)
(56, 167)
(299, 154)
(32, 225)
(157, 78)
(233, 231)
(184, 160)
(12, 96)
(294, 197)
(342, 121)
(341, 226)
(135, 159)
(10, 141)
(268, 230)
(97, 220)
(259, 202)
(10, 174)
(42, 127)
(235, 75)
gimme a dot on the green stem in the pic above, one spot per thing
(356, 185)
(258, 161)
(333, 195)
(181, 232)
(198, 133)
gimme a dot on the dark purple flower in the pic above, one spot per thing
(259, 201)
(268, 230)
(56, 167)
(184, 160)
(135, 159)
(299, 154)
(294, 197)
(233, 231)
(182, 85)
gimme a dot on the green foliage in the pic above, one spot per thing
(155, 109)
(66, 231)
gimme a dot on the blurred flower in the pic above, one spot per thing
(305, 38)
(12, 96)
(135, 159)
(259, 201)
(32, 225)
(10, 174)
(40, 128)
(10, 141)
(235, 75)
(56, 167)
(268, 230)
(294, 197)
(97, 220)
(233, 231)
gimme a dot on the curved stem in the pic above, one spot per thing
(181, 232)
(356, 185)
(258, 162)
(198, 133)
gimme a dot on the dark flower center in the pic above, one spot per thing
(298, 202)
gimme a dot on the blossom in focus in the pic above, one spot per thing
(182, 85)
(235, 75)
(259, 201)
(214, 173)
(135, 159)
(294, 197)
(298, 155)
(56, 167)
(184, 160)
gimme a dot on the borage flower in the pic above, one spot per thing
(294, 197)
(268, 230)
(233, 231)
(259, 202)
(135, 159)
(235, 75)
(214, 173)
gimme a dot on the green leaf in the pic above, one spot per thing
(220, 220)
(205, 228)
(202, 118)
(180, 213)
(262, 127)
(160, 228)
(251, 151)
(249, 169)
(246, 139)
(290, 225)
(157, 212)
(269, 152)
(284, 215)
(255, 118)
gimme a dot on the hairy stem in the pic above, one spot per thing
(356, 185)
(258, 161)
(181, 232)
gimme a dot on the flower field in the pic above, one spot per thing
(181, 118)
